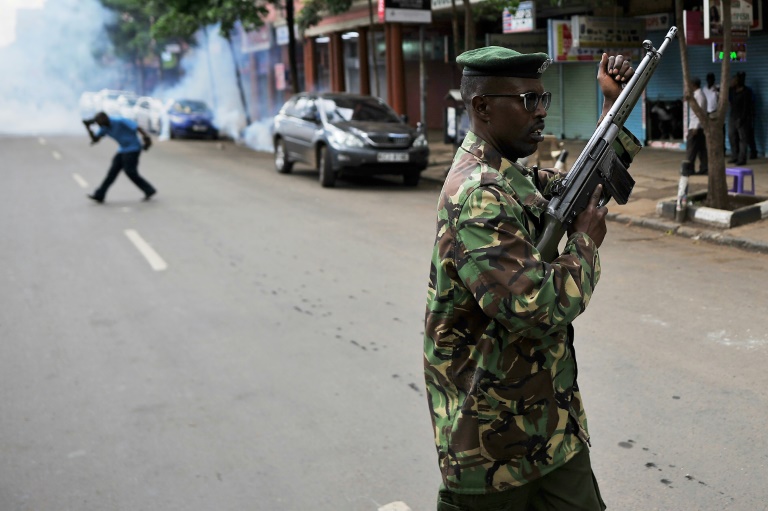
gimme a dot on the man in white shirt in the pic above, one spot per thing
(696, 143)
(711, 92)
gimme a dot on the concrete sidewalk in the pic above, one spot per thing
(656, 173)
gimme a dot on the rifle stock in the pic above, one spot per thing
(598, 162)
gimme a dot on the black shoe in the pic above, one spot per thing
(149, 195)
(740, 163)
(733, 160)
(94, 198)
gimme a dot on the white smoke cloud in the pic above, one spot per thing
(57, 57)
(209, 75)
(48, 66)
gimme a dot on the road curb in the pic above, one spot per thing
(694, 233)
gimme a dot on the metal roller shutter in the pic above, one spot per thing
(580, 100)
(551, 80)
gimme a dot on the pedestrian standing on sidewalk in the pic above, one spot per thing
(696, 141)
(712, 93)
(500, 369)
(125, 132)
(740, 118)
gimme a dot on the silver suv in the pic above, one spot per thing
(347, 134)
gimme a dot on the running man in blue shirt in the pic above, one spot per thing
(124, 131)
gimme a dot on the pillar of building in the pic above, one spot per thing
(336, 48)
(395, 68)
(362, 52)
(253, 65)
(310, 65)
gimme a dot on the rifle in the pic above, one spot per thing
(598, 162)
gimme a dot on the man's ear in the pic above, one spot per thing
(481, 107)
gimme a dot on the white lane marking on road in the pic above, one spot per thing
(79, 179)
(41, 140)
(56, 155)
(395, 506)
(152, 257)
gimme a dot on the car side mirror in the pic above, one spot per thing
(404, 118)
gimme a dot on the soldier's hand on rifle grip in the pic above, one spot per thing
(591, 221)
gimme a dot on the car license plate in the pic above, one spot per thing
(387, 157)
(199, 127)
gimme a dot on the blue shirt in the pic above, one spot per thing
(124, 132)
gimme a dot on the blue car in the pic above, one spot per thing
(191, 118)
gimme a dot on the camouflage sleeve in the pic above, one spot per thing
(626, 146)
(499, 265)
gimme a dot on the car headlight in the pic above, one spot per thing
(339, 137)
(421, 141)
(176, 118)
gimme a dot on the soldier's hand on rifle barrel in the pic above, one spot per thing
(612, 73)
(591, 221)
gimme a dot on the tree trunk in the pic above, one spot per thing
(717, 187)
(239, 81)
(289, 18)
(469, 27)
(455, 24)
(372, 46)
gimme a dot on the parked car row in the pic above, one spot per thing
(339, 134)
(342, 134)
(184, 117)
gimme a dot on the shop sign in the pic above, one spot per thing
(592, 32)
(562, 49)
(738, 52)
(281, 34)
(745, 15)
(524, 19)
(405, 11)
(660, 21)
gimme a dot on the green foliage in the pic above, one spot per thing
(493, 8)
(183, 17)
(310, 14)
(132, 32)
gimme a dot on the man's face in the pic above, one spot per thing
(511, 128)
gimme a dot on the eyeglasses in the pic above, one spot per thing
(530, 99)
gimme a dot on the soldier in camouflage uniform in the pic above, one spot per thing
(509, 424)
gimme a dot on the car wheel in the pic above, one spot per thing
(325, 166)
(282, 164)
(411, 178)
(172, 134)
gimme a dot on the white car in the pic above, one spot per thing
(125, 104)
(148, 113)
(106, 101)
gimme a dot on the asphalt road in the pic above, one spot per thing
(249, 340)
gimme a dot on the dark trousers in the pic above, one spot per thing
(738, 136)
(571, 487)
(696, 146)
(128, 162)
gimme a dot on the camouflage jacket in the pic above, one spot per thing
(498, 352)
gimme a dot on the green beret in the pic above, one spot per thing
(500, 61)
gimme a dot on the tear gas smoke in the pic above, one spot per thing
(62, 51)
(50, 64)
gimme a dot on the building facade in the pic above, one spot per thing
(357, 52)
